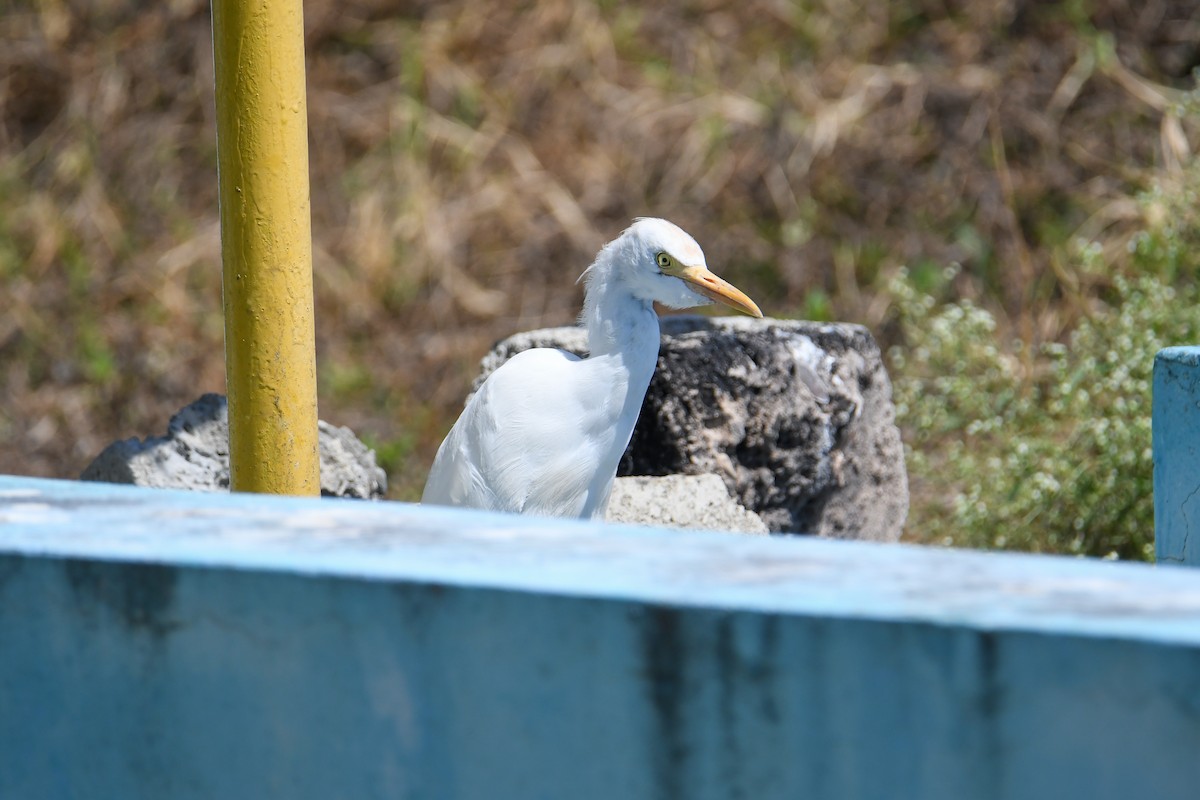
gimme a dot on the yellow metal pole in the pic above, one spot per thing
(266, 245)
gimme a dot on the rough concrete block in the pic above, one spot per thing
(796, 417)
(695, 502)
(195, 455)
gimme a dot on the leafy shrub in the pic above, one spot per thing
(1046, 447)
(1046, 451)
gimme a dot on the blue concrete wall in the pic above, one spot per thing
(168, 645)
(1176, 434)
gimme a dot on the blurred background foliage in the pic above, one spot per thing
(1002, 191)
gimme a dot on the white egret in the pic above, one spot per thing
(545, 432)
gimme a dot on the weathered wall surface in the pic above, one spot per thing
(178, 645)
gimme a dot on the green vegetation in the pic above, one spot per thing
(1058, 463)
(1047, 447)
(1028, 166)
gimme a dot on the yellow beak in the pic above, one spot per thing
(714, 288)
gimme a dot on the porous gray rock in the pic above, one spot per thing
(195, 455)
(795, 417)
(695, 502)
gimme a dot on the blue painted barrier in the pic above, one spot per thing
(170, 645)
(1175, 417)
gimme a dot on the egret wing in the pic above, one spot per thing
(521, 445)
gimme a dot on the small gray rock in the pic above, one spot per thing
(695, 502)
(795, 417)
(195, 455)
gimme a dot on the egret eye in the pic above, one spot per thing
(664, 260)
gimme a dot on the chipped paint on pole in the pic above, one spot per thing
(266, 245)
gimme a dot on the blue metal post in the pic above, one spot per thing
(1176, 437)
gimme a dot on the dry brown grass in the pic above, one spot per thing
(467, 160)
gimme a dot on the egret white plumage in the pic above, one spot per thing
(545, 432)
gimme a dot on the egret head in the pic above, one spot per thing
(662, 263)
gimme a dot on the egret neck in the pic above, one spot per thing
(623, 335)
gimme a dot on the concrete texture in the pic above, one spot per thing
(194, 455)
(795, 417)
(695, 502)
(187, 645)
(1176, 441)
